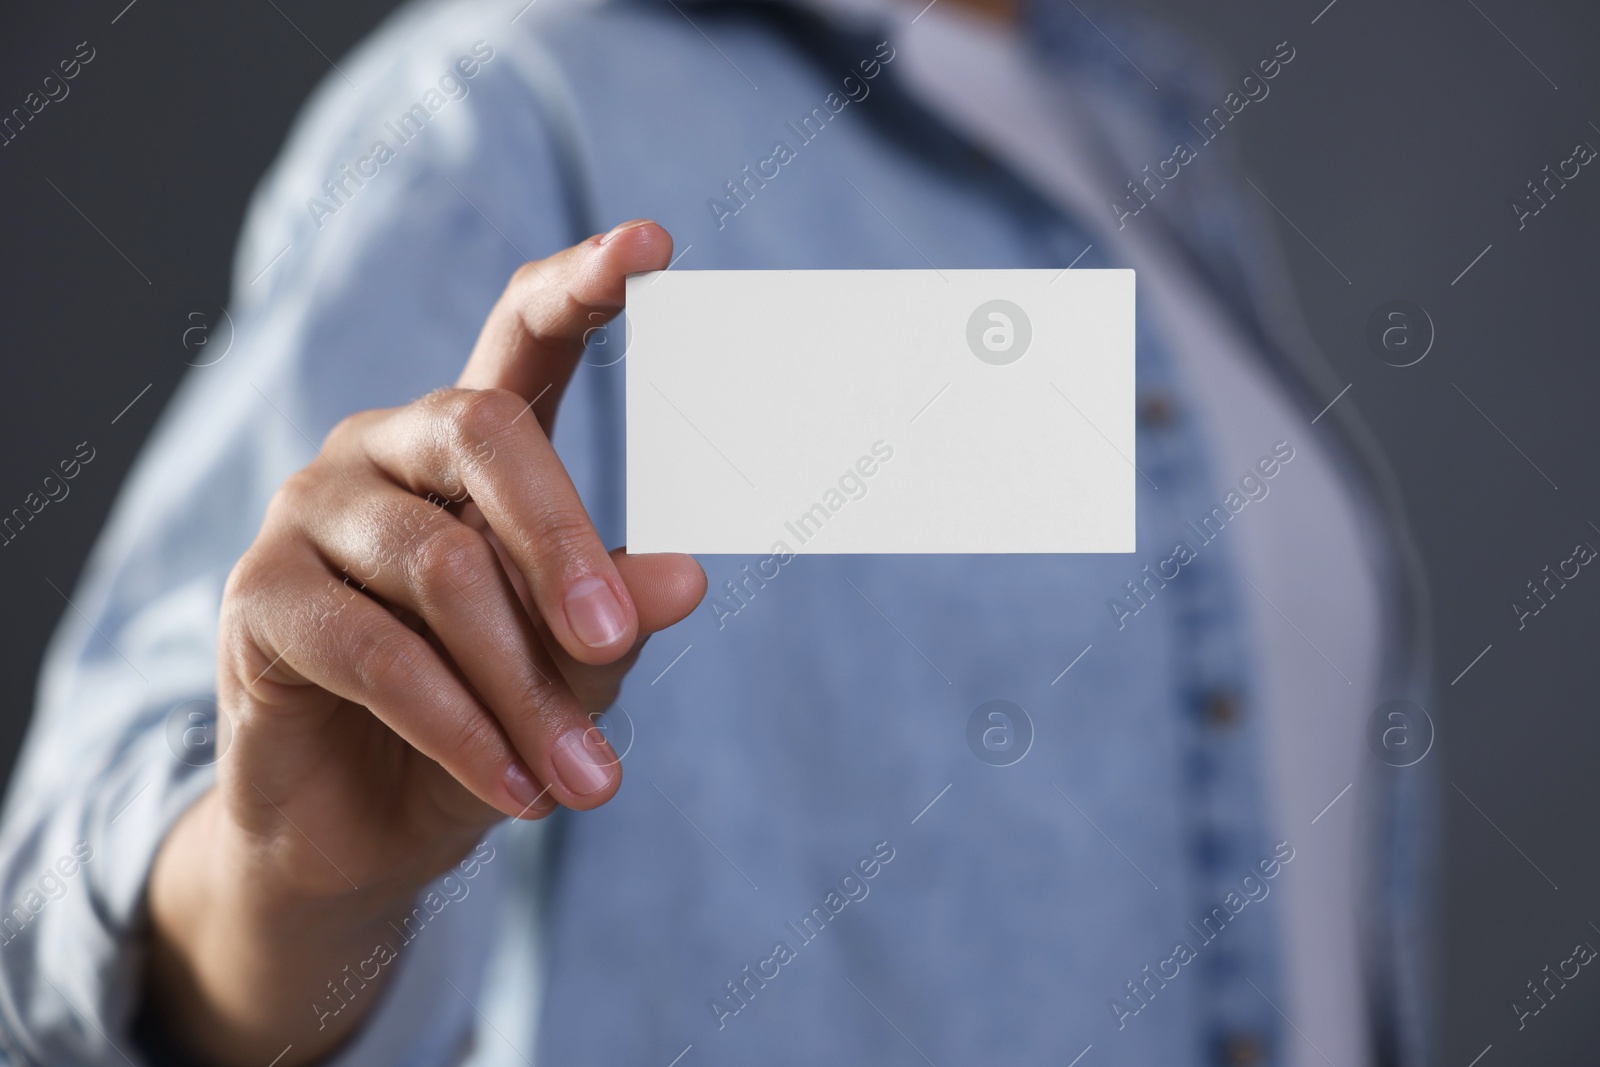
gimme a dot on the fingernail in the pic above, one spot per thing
(583, 764)
(594, 613)
(523, 789)
(623, 227)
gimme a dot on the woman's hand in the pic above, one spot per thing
(412, 649)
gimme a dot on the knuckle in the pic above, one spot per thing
(386, 660)
(553, 705)
(483, 415)
(297, 494)
(235, 636)
(245, 579)
(531, 276)
(455, 559)
(564, 536)
(540, 708)
(439, 400)
(251, 623)
(347, 429)
(254, 589)
(465, 743)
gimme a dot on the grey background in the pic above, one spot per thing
(1395, 143)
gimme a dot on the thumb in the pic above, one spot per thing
(665, 586)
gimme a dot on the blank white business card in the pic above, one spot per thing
(873, 411)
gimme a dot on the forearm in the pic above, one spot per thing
(238, 971)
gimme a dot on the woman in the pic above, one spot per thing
(342, 648)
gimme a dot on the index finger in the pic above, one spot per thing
(534, 336)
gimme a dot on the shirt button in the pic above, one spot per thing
(1222, 708)
(1242, 1050)
(1158, 410)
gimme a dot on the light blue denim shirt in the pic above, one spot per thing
(808, 863)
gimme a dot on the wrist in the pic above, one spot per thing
(240, 957)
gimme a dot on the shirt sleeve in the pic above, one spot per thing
(362, 278)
